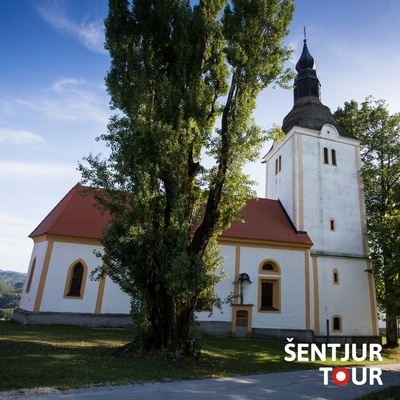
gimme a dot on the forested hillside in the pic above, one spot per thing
(11, 285)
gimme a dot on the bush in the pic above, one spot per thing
(6, 313)
(9, 300)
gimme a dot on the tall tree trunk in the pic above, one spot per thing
(391, 331)
(391, 316)
(171, 325)
(181, 341)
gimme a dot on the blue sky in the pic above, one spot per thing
(53, 101)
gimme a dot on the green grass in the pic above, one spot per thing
(392, 393)
(67, 357)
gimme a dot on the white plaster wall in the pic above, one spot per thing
(115, 301)
(350, 298)
(312, 192)
(27, 301)
(291, 263)
(63, 256)
(331, 192)
(280, 186)
(293, 286)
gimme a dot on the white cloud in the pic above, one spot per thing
(67, 83)
(22, 169)
(16, 136)
(67, 99)
(76, 99)
(89, 32)
(8, 219)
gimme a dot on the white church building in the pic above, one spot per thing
(298, 266)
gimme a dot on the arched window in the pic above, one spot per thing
(278, 165)
(335, 276)
(326, 155)
(76, 279)
(333, 154)
(29, 283)
(269, 266)
(269, 287)
(336, 323)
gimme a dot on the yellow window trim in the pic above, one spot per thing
(69, 280)
(276, 300)
(275, 265)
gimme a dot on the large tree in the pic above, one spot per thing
(184, 80)
(379, 133)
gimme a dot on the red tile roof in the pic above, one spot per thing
(76, 215)
(266, 219)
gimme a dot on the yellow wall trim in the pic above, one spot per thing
(307, 288)
(221, 240)
(316, 295)
(43, 276)
(263, 243)
(100, 296)
(235, 286)
(300, 184)
(67, 239)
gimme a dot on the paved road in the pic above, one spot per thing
(303, 385)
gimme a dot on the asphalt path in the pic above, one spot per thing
(305, 385)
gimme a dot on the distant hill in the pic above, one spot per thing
(11, 286)
(12, 278)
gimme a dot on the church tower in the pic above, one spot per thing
(315, 173)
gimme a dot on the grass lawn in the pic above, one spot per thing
(67, 357)
(392, 393)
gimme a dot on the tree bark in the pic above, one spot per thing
(391, 317)
(391, 331)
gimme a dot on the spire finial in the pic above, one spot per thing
(306, 83)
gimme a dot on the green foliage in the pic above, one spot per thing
(11, 285)
(4, 288)
(379, 134)
(185, 80)
(6, 313)
(390, 393)
(276, 133)
(9, 300)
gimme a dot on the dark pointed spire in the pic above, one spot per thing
(308, 111)
(306, 82)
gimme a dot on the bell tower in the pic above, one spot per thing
(314, 170)
(315, 173)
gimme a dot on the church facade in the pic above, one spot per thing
(297, 267)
